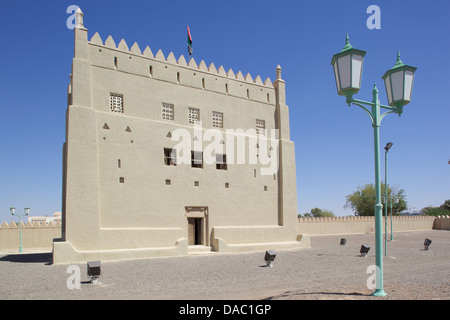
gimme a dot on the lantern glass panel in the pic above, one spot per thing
(397, 85)
(336, 76)
(344, 71)
(357, 61)
(409, 76)
(387, 83)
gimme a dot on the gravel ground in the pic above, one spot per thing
(327, 271)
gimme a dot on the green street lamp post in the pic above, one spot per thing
(386, 149)
(13, 213)
(347, 66)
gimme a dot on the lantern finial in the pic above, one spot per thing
(347, 46)
(399, 62)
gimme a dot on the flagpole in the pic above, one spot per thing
(190, 50)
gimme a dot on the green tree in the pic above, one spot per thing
(319, 213)
(362, 201)
(443, 210)
(446, 206)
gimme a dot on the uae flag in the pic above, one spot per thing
(189, 41)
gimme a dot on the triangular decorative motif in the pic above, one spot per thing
(169, 135)
(128, 129)
(105, 126)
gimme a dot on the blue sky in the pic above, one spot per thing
(334, 142)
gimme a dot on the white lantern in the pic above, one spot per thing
(399, 82)
(347, 66)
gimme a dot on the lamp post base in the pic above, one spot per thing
(379, 293)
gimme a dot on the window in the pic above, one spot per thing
(167, 111)
(217, 119)
(168, 182)
(260, 127)
(193, 115)
(170, 157)
(116, 102)
(221, 162)
(197, 159)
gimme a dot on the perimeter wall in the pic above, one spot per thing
(348, 225)
(40, 235)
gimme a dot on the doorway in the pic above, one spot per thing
(197, 226)
(195, 231)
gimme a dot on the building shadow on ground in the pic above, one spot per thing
(45, 258)
(338, 295)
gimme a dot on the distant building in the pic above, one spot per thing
(412, 213)
(55, 218)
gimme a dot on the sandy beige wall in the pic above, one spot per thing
(345, 225)
(33, 235)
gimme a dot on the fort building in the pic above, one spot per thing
(165, 157)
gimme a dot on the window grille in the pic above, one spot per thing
(217, 119)
(167, 111)
(116, 102)
(260, 127)
(193, 115)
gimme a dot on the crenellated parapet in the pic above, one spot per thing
(181, 61)
(363, 218)
(366, 224)
(30, 225)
